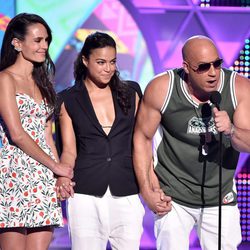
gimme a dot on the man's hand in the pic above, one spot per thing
(222, 121)
(157, 201)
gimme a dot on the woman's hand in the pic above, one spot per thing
(64, 187)
(62, 169)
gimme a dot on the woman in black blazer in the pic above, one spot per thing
(97, 117)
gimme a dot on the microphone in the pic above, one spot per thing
(215, 98)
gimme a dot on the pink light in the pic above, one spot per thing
(196, 2)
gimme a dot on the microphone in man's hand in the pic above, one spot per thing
(215, 98)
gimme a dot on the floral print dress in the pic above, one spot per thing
(27, 188)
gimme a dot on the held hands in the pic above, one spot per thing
(64, 187)
(62, 169)
(157, 201)
(222, 121)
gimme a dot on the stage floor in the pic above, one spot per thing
(61, 242)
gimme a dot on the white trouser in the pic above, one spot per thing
(93, 221)
(173, 229)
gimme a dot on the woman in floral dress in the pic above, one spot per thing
(29, 208)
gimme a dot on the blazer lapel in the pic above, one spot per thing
(117, 113)
(84, 101)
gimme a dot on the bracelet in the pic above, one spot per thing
(230, 135)
(232, 130)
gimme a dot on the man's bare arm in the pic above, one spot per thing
(239, 128)
(148, 120)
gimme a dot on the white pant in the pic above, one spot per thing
(93, 221)
(173, 229)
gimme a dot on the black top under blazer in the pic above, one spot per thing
(102, 160)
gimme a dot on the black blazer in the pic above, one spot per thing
(102, 160)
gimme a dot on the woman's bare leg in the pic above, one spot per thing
(13, 239)
(39, 238)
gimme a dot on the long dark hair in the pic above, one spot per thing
(95, 41)
(43, 73)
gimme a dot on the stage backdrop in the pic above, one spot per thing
(149, 35)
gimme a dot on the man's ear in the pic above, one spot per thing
(185, 67)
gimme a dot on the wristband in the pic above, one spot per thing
(230, 135)
(232, 130)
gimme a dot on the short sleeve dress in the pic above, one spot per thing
(27, 188)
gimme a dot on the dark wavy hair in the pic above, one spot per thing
(95, 41)
(43, 73)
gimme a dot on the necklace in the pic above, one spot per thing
(11, 72)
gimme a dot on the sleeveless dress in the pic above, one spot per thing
(27, 188)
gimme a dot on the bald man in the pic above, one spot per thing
(176, 115)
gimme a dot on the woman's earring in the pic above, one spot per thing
(17, 49)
